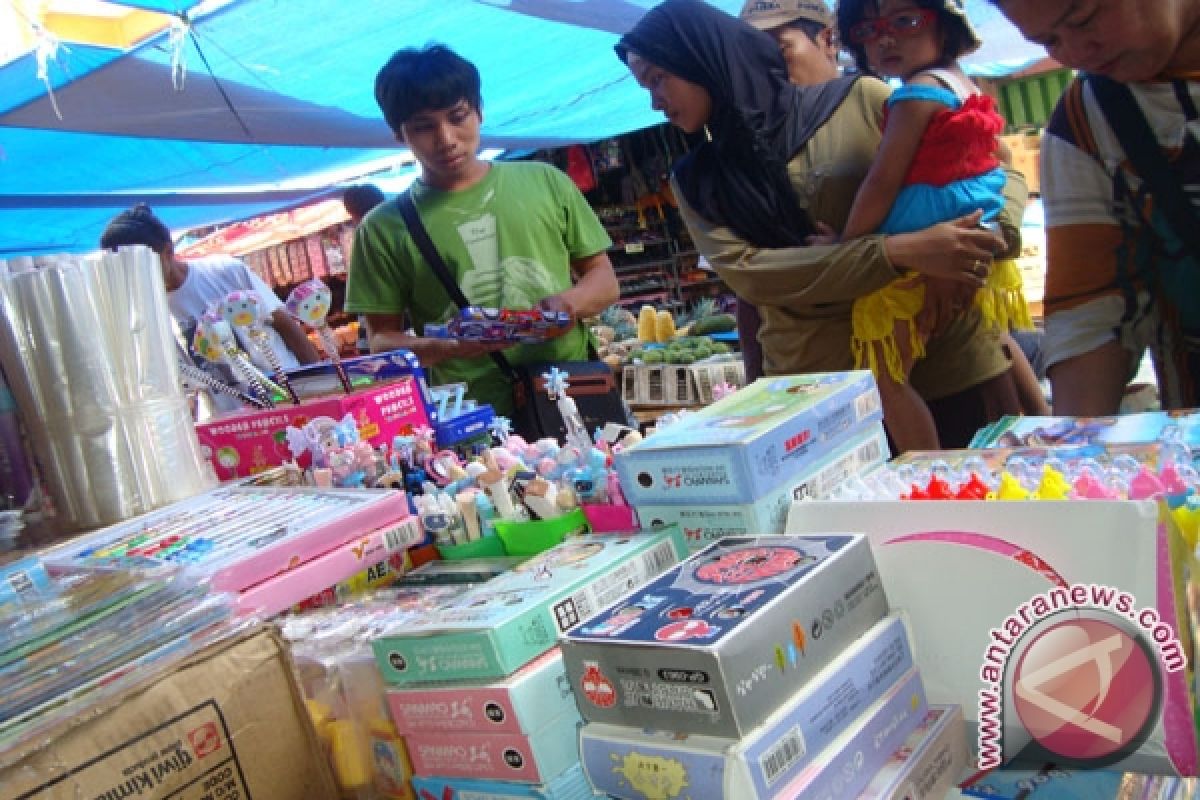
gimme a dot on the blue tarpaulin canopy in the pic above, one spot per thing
(279, 92)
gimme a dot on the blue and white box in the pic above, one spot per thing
(571, 785)
(704, 523)
(753, 441)
(619, 759)
(719, 643)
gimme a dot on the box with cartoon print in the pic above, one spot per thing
(632, 762)
(755, 440)
(497, 627)
(718, 643)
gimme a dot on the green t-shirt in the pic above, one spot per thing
(509, 241)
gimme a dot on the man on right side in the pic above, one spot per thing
(1123, 264)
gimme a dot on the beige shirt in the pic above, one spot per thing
(804, 294)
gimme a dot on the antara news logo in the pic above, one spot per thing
(1076, 676)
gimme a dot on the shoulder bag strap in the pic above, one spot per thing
(1143, 151)
(416, 229)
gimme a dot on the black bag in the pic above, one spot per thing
(591, 383)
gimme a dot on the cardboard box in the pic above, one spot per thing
(705, 768)
(757, 439)
(251, 441)
(963, 570)
(705, 523)
(311, 577)
(720, 642)
(536, 758)
(928, 764)
(494, 629)
(226, 723)
(524, 702)
(771, 755)
(571, 785)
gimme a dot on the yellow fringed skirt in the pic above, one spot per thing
(874, 317)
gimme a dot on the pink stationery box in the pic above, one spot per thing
(537, 757)
(251, 441)
(521, 703)
(236, 537)
(309, 578)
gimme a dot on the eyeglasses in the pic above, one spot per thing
(900, 24)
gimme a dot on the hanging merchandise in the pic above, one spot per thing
(607, 155)
(579, 168)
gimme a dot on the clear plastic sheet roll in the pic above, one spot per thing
(88, 349)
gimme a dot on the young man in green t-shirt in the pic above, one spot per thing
(514, 235)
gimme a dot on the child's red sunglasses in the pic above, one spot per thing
(900, 24)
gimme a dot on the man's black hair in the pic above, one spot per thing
(138, 225)
(358, 200)
(428, 79)
(809, 27)
(956, 38)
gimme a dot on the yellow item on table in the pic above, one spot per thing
(393, 770)
(321, 714)
(1053, 486)
(873, 319)
(1187, 517)
(351, 755)
(647, 324)
(664, 326)
(1009, 489)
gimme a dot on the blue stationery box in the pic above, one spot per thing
(570, 785)
(751, 442)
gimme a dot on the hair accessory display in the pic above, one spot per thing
(242, 309)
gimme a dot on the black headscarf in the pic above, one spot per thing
(759, 121)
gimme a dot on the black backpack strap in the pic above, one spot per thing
(416, 229)
(1144, 153)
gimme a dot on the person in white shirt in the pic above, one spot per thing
(194, 286)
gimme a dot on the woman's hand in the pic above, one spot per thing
(945, 301)
(825, 235)
(959, 250)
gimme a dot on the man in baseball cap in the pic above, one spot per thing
(804, 30)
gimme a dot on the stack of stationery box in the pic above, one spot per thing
(734, 467)
(477, 685)
(761, 667)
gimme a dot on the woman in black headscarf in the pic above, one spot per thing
(776, 158)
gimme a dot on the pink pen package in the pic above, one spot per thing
(236, 537)
(311, 577)
(523, 702)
